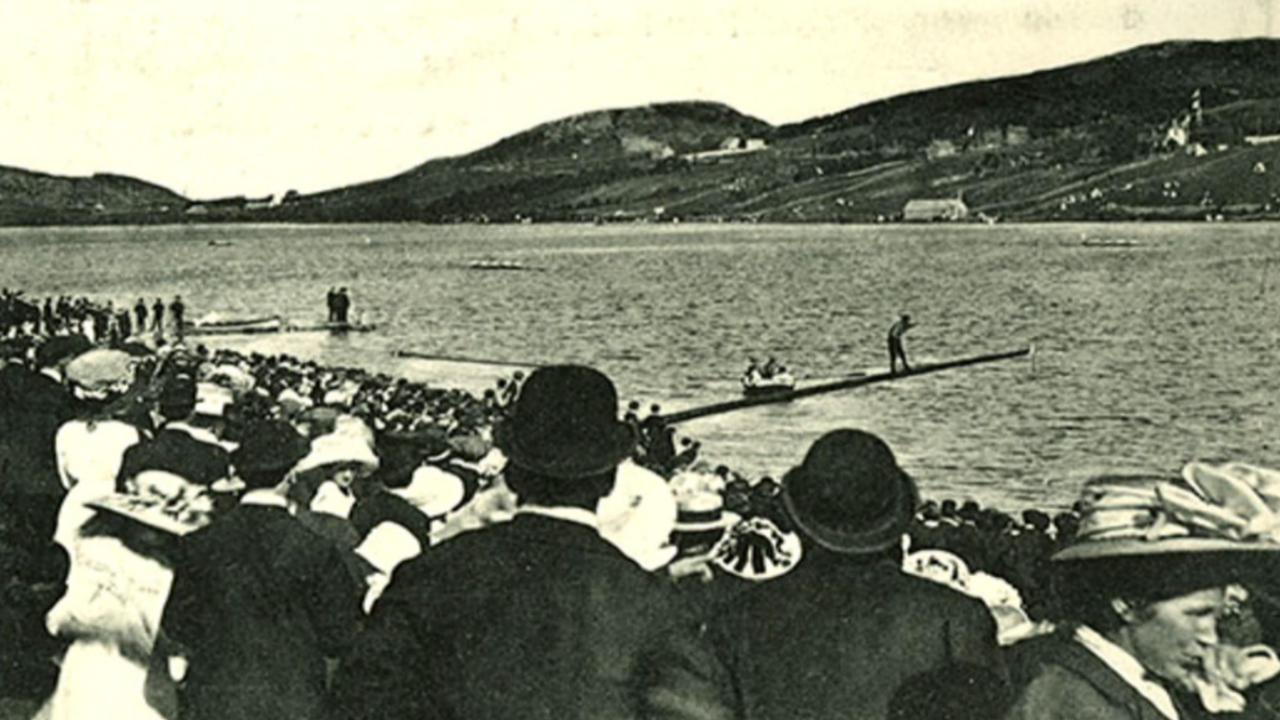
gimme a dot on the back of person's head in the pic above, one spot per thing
(267, 453)
(177, 397)
(849, 495)
(563, 438)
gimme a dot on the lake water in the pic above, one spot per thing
(1146, 356)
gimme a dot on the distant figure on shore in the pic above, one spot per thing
(331, 299)
(896, 353)
(140, 311)
(177, 310)
(157, 315)
(341, 306)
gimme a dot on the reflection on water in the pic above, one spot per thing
(1147, 355)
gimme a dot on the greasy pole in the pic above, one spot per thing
(731, 405)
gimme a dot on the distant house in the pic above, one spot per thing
(729, 147)
(934, 210)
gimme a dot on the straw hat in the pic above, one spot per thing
(1230, 508)
(163, 501)
(212, 399)
(703, 512)
(339, 449)
(101, 369)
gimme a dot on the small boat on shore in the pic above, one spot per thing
(273, 324)
(218, 326)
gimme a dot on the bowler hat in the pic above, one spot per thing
(403, 452)
(273, 445)
(849, 495)
(565, 424)
(59, 348)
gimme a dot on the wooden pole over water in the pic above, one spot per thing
(740, 404)
(459, 359)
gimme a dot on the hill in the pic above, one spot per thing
(1177, 130)
(1120, 137)
(33, 198)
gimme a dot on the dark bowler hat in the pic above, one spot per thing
(565, 424)
(61, 347)
(849, 495)
(401, 453)
(272, 445)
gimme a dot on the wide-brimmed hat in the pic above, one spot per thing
(161, 500)
(272, 445)
(1230, 509)
(339, 449)
(212, 399)
(565, 424)
(703, 512)
(101, 369)
(757, 550)
(849, 494)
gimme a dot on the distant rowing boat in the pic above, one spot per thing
(498, 265)
(1110, 242)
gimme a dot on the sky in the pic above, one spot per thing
(256, 97)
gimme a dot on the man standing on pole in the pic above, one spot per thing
(896, 353)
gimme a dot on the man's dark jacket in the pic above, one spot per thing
(836, 637)
(535, 618)
(258, 603)
(32, 408)
(176, 451)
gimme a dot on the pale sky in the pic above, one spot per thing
(259, 96)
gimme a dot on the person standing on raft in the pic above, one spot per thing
(896, 353)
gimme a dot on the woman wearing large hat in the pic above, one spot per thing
(1140, 594)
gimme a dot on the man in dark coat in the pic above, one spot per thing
(33, 405)
(839, 634)
(258, 601)
(189, 452)
(539, 617)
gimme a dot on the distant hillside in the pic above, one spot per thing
(32, 198)
(1178, 130)
(1085, 141)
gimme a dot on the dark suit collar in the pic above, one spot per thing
(565, 533)
(1077, 659)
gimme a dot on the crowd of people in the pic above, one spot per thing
(196, 534)
(103, 322)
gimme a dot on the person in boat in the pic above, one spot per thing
(896, 352)
(770, 369)
(752, 374)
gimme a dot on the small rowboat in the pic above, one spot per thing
(498, 265)
(253, 326)
(780, 383)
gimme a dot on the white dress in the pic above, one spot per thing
(89, 455)
(112, 610)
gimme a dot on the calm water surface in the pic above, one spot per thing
(1147, 356)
